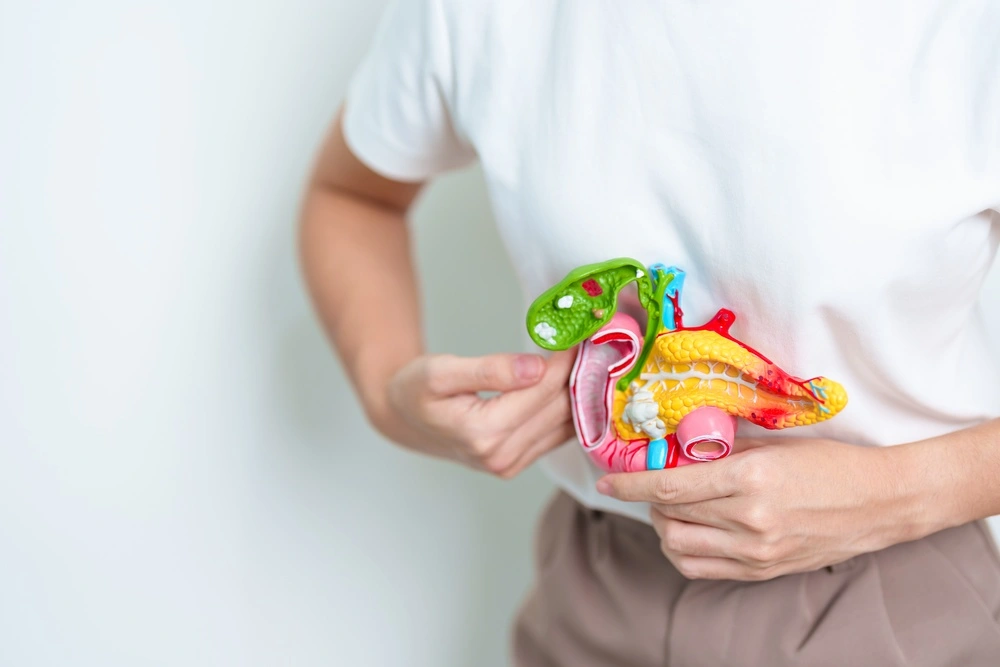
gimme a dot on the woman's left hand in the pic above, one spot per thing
(780, 505)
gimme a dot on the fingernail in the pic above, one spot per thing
(604, 486)
(528, 367)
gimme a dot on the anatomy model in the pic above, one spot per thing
(671, 395)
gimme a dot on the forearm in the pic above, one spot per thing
(356, 260)
(956, 477)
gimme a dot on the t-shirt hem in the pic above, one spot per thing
(569, 468)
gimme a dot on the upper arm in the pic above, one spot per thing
(339, 169)
(397, 128)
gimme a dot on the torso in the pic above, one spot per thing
(829, 172)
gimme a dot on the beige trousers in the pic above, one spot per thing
(606, 596)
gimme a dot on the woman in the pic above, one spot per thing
(831, 171)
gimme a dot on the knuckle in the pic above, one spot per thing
(482, 446)
(664, 488)
(488, 373)
(753, 474)
(498, 466)
(493, 465)
(687, 567)
(671, 541)
(507, 473)
(758, 518)
(762, 552)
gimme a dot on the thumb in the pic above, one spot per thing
(494, 372)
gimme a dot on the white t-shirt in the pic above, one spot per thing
(829, 171)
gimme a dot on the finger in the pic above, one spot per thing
(690, 484)
(718, 512)
(549, 427)
(449, 375)
(539, 448)
(516, 405)
(692, 539)
(700, 567)
(548, 413)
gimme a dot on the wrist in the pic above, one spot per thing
(922, 498)
(373, 392)
(373, 377)
(375, 402)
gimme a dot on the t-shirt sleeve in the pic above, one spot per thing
(397, 115)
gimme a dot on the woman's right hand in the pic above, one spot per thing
(435, 405)
(354, 219)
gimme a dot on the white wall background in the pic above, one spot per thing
(184, 476)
